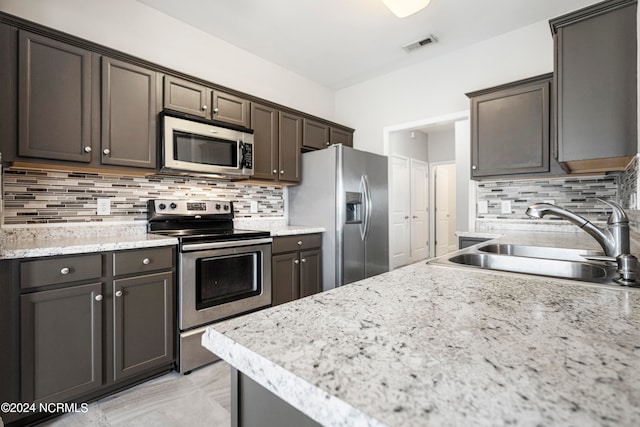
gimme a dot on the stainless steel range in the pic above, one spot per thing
(222, 271)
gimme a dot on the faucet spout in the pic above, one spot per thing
(614, 239)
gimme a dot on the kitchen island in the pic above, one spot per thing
(433, 345)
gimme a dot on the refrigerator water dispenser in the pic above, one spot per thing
(354, 208)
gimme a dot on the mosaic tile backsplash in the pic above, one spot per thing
(48, 197)
(578, 194)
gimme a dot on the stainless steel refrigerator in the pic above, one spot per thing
(345, 191)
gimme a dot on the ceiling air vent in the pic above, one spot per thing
(430, 39)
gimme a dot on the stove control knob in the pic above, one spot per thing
(173, 206)
(226, 207)
(218, 206)
(162, 206)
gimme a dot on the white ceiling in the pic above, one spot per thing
(338, 43)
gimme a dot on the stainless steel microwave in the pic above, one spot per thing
(192, 146)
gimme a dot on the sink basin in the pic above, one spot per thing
(528, 265)
(539, 252)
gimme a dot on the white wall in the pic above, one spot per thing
(441, 146)
(136, 29)
(437, 87)
(404, 144)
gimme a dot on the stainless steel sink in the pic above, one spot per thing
(541, 267)
(540, 252)
(561, 263)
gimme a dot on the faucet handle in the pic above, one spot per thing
(618, 215)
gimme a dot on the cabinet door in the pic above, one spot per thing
(285, 280)
(230, 109)
(339, 136)
(315, 135)
(186, 97)
(129, 114)
(54, 92)
(596, 82)
(264, 122)
(61, 332)
(510, 129)
(310, 272)
(143, 324)
(289, 155)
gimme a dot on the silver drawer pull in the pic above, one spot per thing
(295, 261)
(118, 294)
(146, 261)
(299, 242)
(304, 260)
(98, 297)
(65, 270)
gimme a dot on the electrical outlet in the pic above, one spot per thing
(254, 206)
(506, 206)
(104, 207)
(483, 207)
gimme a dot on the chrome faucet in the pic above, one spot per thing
(614, 239)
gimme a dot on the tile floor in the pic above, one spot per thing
(202, 398)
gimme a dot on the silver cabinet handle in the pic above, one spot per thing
(295, 261)
(406, 217)
(98, 297)
(118, 294)
(328, 144)
(65, 270)
(474, 167)
(215, 110)
(87, 149)
(282, 172)
(146, 261)
(106, 151)
(303, 260)
(299, 242)
(275, 171)
(204, 108)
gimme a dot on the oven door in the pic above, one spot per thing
(223, 279)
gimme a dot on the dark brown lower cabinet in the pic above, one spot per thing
(143, 336)
(106, 327)
(296, 267)
(253, 405)
(61, 343)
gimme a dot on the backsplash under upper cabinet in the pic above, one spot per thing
(41, 197)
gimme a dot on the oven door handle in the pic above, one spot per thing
(189, 247)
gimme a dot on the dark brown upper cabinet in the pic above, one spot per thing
(230, 109)
(315, 135)
(596, 81)
(290, 145)
(510, 129)
(54, 89)
(266, 144)
(186, 97)
(339, 136)
(129, 114)
(202, 101)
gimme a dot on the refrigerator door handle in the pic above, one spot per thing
(368, 206)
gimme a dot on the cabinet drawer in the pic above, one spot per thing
(142, 260)
(297, 242)
(54, 271)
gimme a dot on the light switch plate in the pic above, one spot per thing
(506, 206)
(104, 207)
(483, 207)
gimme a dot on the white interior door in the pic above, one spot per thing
(445, 177)
(419, 211)
(400, 211)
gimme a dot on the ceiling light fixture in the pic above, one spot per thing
(404, 8)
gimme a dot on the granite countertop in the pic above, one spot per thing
(29, 242)
(65, 241)
(432, 345)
